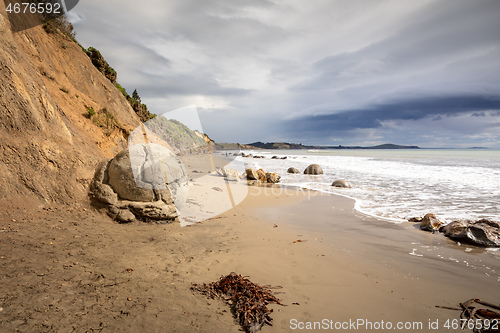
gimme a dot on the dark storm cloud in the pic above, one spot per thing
(405, 110)
(454, 49)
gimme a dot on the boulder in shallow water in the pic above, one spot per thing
(430, 222)
(341, 183)
(272, 177)
(262, 176)
(456, 230)
(292, 170)
(252, 174)
(313, 169)
(482, 232)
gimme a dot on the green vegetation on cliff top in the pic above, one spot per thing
(176, 134)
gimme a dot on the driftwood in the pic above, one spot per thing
(247, 300)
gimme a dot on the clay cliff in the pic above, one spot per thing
(59, 116)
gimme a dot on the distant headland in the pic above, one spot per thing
(286, 145)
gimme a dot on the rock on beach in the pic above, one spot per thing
(313, 169)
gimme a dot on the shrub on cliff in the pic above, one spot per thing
(52, 23)
(60, 23)
(135, 102)
(101, 64)
(136, 97)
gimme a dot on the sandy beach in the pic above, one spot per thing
(383, 111)
(74, 270)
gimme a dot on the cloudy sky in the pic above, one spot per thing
(323, 72)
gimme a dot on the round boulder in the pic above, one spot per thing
(148, 173)
(292, 170)
(430, 222)
(313, 169)
(341, 183)
(121, 179)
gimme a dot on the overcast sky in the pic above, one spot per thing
(331, 72)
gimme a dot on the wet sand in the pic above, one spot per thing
(73, 270)
(377, 270)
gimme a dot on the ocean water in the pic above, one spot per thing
(398, 184)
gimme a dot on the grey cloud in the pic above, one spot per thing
(405, 110)
(478, 114)
(450, 49)
(324, 71)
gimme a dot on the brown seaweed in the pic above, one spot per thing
(474, 313)
(248, 301)
(483, 319)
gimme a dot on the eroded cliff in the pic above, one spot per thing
(59, 116)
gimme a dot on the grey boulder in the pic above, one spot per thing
(141, 183)
(341, 183)
(483, 232)
(430, 223)
(313, 169)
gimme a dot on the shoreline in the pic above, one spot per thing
(396, 186)
(69, 268)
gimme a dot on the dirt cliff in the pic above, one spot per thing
(59, 116)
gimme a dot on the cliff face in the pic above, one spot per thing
(50, 138)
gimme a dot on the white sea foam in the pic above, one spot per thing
(394, 184)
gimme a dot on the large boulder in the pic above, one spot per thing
(99, 189)
(152, 211)
(252, 174)
(144, 171)
(456, 230)
(430, 222)
(122, 180)
(292, 170)
(341, 183)
(482, 232)
(141, 183)
(262, 176)
(272, 177)
(228, 174)
(313, 169)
